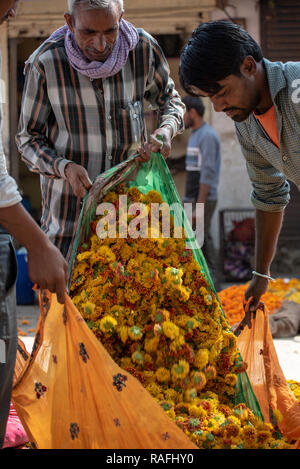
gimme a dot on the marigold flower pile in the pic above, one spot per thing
(232, 298)
(151, 307)
(279, 290)
(295, 387)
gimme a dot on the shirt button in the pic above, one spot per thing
(284, 158)
(109, 157)
(109, 118)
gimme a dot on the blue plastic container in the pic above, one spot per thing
(25, 294)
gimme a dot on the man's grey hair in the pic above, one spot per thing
(93, 4)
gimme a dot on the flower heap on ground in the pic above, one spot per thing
(232, 298)
(279, 290)
(152, 308)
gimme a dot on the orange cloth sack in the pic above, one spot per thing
(71, 394)
(267, 379)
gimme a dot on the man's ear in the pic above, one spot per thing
(121, 17)
(249, 66)
(69, 21)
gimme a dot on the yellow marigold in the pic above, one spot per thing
(137, 357)
(173, 276)
(184, 293)
(148, 358)
(210, 372)
(123, 331)
(172, 395)
(198, 380)
(151, 344)
(108, 324)
(180, 370)
(171, 413)
(88, 308)
(149, 375)
(241, 411)
(177, 344)
(232, 430)
(135, 194)
(190, 394)
(263, 436)
(160, 315)
(126, 252)
(248, 433)
(201, 358)
(231, 379)
(84, 255)
(126, 362)
(135, 333)
(170, 330)
(153, 197)
(197, 411)
(155, 390)
(162, 375)
(106, 254)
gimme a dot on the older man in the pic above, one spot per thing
(83, 106)
(41, 253)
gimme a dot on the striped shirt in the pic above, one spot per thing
(67, 117)
(270, 167)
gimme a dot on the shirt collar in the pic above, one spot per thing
(275, 76)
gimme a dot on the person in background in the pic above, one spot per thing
(203, 161)
(46, 266)
(83, 107)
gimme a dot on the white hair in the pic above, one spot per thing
(93, 4)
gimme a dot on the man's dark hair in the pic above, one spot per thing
(215, 50)
(194, 102)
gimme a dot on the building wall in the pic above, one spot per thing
(235, 188)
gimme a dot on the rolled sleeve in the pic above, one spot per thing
(9, 194)
(270, 187)
(32, 141)
(161, 92)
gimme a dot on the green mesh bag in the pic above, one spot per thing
(152, 175)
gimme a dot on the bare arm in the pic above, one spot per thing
(46, 265)
(267, 229)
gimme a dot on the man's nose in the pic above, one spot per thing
(99, 43)
(218, 103)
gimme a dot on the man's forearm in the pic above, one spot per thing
(267, 229)
(203, 193)
(21, 226)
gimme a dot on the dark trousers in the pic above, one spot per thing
(8, 326)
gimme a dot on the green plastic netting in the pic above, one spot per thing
(152, 175)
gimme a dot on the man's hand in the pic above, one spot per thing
(153, 146)
(48, 269)
(78, 178)
(258, 286)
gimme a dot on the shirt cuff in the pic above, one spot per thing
(172, 124)
(9, 194)
(60, 165)
(269, 206)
